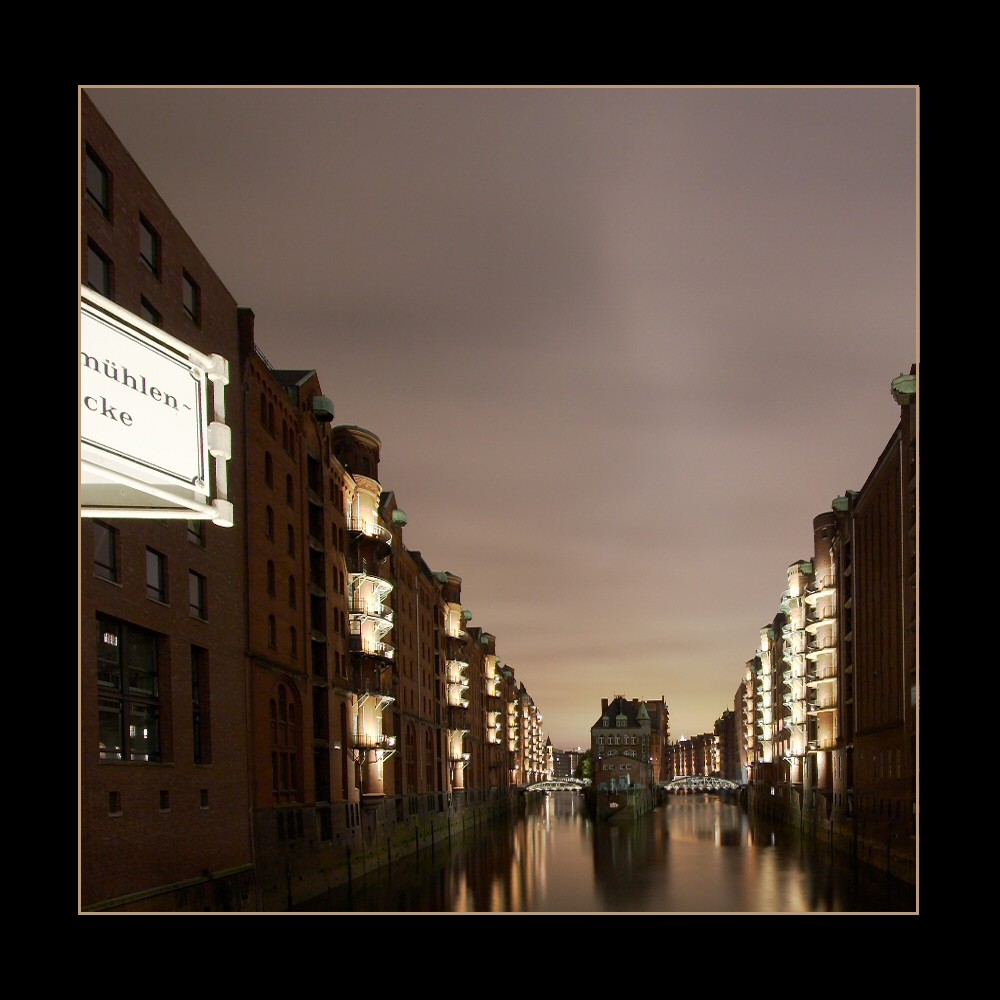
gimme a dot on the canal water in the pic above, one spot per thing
(699, 854)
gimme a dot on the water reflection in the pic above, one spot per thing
(695, 854)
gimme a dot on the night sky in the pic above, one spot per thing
(621, 345)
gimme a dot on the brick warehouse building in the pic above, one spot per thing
(164, 800)
(319, 696)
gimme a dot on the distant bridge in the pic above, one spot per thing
(691, 783)
(559, 785)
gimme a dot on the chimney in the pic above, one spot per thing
(604, 706)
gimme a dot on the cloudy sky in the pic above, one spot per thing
(621, 345)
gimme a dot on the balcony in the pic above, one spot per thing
(818, 651)
(370, 528)
(819, 707)
(372, 741)
(370, 608)
(370, 647)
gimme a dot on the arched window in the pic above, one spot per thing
(289, 491)
(291, 591)
(284, 434)
(429, 760)
(270, 417)
(293, 642)
(269, 523)
(268, 469)
(291, 540)
(263, 409)
(270, 577)
(272, 632)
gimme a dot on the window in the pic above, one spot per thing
(272, 632)
(291, 591)
(148, 313)
(98, 182)
(164, 801)
(105, 552)
(289, 491)
(284, 746)
(156, 576)
(98, 270)
(270, 578)
(200, 706)
(129, 695)
(263, 411)
(114, 803)
(198, 595)
(268, 469)
(192, 299)
(149, 246)
(269, 523)
(196, 533)
(204, 798)
(293, 642)
(291, 540)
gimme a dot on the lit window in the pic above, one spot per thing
(129, 699)
(198, 595)
(192, 299)
(156, 576)
(105, 552)
(149, 246)
(98, 183)
(98, 270)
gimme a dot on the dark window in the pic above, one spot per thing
(196, 533)
(164, 801)
(291, 540)
(284, 746)
(291, 591)
(293, 642)
(98, 181)
(156, 575)
(198, 595)
(272, 632)
(268, 469)
(200, 706)
(192, 299)
(149, 246)
(98, 270)
(105, 552)
(129, 693)
(289, 491)
(148, 313)
(270, 578)
(269, 523)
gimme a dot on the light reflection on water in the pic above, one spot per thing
(695, 854)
